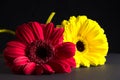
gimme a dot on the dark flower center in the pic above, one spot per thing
(80, 46)
(40, 51)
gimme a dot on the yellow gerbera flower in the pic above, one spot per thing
(91, 42)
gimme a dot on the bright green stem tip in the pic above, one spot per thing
(7, 31)
(50, 17)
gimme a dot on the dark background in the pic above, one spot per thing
(105, 12)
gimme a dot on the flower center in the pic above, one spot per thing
(40, 51)
(80, 46)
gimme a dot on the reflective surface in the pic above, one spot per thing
(110, 71)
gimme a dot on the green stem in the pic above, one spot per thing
(7, 31)
(50, 17)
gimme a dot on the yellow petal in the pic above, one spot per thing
(92, 35)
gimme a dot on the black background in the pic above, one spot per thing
(105, 12)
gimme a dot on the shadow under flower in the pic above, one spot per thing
(3, 67)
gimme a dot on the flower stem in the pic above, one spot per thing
(50, 17)
(7, 31)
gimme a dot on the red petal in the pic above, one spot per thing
(71, 62)
(48, 30)
(65, 50)
(57, 36)
(47, 69)
(21, 60)
(18, 64)
(13, 52)
(25, 34)
(16, 44)
(37, 30)
(14, 49)
(60, 66)
(29, 68)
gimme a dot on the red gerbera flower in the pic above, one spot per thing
(38, 49)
